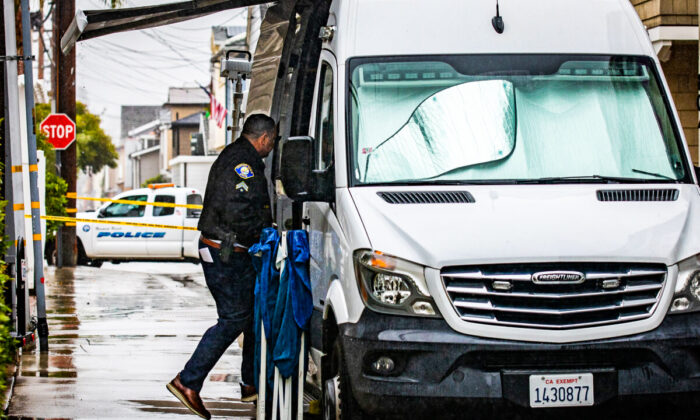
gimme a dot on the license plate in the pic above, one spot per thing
(569, 390)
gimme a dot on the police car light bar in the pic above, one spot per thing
(157, 186)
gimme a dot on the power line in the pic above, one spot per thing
(151, 53)
(164, 42)
(237, 15)
(132, 66)
(124, 84)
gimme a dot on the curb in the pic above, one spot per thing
(13, 369)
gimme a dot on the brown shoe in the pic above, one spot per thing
(188, 397)
(248, 393)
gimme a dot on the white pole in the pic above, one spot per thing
(300, 382)
(275, 394)
(287, 399)
(262, 382)
(14, 165)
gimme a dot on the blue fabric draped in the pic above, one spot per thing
(294, 304)
(282, 301)
(266, 285)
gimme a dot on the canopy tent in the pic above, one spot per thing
(93, 23)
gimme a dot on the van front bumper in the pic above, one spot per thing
(436, 366)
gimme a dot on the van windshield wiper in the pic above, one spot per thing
(586, 179)
(415, 182)
(652, 174)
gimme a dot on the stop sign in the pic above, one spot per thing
(59, 130)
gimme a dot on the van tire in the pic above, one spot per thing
(344, 401)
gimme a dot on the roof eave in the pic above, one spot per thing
(94, 23)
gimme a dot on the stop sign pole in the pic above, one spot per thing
(59, 130)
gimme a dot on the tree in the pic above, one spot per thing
(95, 148)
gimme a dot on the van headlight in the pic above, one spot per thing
(394, 286)
(687, 294)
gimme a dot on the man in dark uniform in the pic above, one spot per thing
(236, 209)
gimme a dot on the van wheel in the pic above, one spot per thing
(338, 401)
(96, 263)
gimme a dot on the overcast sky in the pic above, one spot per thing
(136, 68)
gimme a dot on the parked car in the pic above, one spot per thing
(99, 242)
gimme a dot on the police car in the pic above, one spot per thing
(99, 242)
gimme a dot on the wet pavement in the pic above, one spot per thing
(117, 335)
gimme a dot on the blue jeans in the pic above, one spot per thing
(233, 287)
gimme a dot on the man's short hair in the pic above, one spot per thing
(258, 124)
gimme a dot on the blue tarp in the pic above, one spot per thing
(283, 303)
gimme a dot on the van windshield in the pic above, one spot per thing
(510, 118)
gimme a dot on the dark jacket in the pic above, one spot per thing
(236, 199)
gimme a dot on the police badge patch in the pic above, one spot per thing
(244, 171)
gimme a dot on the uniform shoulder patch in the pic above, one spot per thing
(244, 171)
(242, 186)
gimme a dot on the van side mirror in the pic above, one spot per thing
(300, 181)
(697, 173)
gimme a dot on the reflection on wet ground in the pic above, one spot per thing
(116, 338)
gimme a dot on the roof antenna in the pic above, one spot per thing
(497, 21)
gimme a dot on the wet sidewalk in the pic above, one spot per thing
(117, 336)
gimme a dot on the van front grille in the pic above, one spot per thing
(555, 296)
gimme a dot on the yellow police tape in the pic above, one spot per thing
(113, 222)
(135, 203)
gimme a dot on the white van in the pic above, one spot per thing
(115, 242)
(492, 216)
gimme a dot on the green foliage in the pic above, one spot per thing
(95, 148)
(56, 201)
(158, 179)
(7, 344)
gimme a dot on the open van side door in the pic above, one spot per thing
(320, 218)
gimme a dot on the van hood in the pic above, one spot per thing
(533, 223)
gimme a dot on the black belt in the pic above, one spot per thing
(216, 245)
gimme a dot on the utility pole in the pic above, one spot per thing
(10, 295)
(14, 216)
(37, 240)
(64, 97)
(40, 55)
